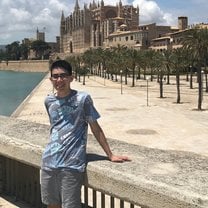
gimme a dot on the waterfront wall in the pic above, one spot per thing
(25, 65)
(153, 179)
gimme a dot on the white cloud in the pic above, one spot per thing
(150, 12)
(19, 15)
(19, 19)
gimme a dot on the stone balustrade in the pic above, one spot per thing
(153, 179)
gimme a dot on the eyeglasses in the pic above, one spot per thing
(62, 76)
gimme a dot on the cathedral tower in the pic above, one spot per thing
(91, 26)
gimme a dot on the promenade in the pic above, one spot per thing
(160, 123)
(131, 117)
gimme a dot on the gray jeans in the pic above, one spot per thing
(61, 187)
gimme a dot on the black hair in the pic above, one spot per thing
(63, 65)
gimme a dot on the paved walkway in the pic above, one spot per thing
(160, 123)
(132, 116)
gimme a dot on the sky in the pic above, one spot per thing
(20, 19)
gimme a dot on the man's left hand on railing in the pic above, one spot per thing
(119, 158)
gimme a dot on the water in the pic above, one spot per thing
(15, 87)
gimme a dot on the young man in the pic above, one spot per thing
(64, 158)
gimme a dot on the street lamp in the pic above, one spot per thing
(202, 77)
(147, 78)
(121, 81)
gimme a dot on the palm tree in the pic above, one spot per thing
(75, 61)
(131, 58)
(178, 63)
(196, 40)
(118, 59)
(167, 61)
(88, 59)
(160, 66)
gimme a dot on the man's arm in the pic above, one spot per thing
(100, 136)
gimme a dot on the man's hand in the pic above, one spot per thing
(118, 158)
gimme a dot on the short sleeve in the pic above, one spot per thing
(90, 111)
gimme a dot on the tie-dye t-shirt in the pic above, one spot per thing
(69, 118)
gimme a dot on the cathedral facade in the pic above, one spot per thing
(90, 27)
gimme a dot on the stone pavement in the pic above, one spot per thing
(131, 117)
(135, 118)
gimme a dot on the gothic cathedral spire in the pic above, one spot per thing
(120, 3)
(76, 8)
(62, 16)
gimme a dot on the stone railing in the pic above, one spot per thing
(153, 179)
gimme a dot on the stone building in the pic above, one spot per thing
(171, 40)
(40, 35)
(92, 25)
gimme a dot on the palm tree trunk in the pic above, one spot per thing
(168, 74)
(84, 79)
(206, 82)
(178, 87)
(126, 74)
(139, 73)
(133, 77)
(145, 73)
(187, 74)
(191, 78)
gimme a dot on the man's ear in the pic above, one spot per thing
(71, 78)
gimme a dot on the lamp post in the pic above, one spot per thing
(147, 78)
(202, 77)
(121, 81)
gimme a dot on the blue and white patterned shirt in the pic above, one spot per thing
(69, 118)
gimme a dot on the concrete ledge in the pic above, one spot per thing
(154, 179)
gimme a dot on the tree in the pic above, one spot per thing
(160, 66)
(196, 40)
(13, 50)
(40, 47)
(24, 50)
(167, 61)
(178, 62)
(133, 60)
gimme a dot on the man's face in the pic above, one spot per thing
(61, 81)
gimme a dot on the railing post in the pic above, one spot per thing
(94, 198)
(85, 196)
(102, 200)
(112, 202)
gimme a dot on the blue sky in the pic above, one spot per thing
(19, 19)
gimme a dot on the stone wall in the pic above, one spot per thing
(154, 178)
(26, 65)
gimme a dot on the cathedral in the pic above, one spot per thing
(90, 27)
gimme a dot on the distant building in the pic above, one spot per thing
(91, 26)
(99, 25)
(54, 46)
(172, 39)
(40, 35)
(155, 31)
(201, 25)
(132, 39)
(182, 23)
